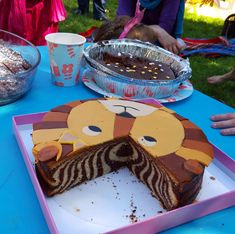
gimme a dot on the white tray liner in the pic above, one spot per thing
(107, 202)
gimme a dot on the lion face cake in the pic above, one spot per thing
(82, 140)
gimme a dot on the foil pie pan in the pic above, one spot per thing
(128, 87)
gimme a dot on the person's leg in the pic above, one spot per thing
(222, 78)
(99, 10)
(83, 7)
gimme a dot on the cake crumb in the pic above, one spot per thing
(77, 209)
(133, 218)
(212, 177)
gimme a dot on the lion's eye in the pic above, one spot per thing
(147, 141)
(91, 130)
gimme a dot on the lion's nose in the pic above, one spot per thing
(126, 114)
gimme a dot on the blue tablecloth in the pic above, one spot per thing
(20, 211)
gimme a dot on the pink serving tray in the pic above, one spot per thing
(225, 167)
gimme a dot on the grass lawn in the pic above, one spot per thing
(195, 27)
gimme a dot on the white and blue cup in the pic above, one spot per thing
(65, 53)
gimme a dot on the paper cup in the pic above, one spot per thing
(65, 53)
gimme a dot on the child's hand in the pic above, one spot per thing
(226, 122)
(166, 40)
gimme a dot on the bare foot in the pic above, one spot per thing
(221, 78)
(216, 79)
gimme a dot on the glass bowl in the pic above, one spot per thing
(127, 87)
(15, 85)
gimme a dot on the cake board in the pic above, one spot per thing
(109, 210)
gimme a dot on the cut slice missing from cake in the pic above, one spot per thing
(82, 140)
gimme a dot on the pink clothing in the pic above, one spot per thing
(139, 14)
(31, 19)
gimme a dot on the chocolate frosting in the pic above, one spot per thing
(66, 149)
(62, 109)
(55, 116)
(175, 165)
(49, 125)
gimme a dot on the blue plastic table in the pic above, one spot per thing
(20, 211)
